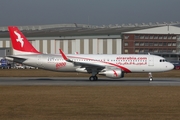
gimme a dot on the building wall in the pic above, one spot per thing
(152, 43)
(4, 52)
(70, 46)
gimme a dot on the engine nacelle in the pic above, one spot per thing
(114, 73)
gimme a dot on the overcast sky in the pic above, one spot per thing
(93, 12)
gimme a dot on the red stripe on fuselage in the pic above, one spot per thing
(118, 66)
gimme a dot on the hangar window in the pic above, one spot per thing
(156, 50)
(126, 36)
(151, 37)
(165, 37)
(178, 45)
(146, 37)
(160, 44)
(173, 44)
(169, 37)
(150, 50)
(141, 44)
(178, 37)
(155, 44)
(174, 37)
(164, 44)
(151, 44)
(174, 51)
(126, 50)
(169, 44)
(136, 50)
(155, 37)
(141, 50)
(160, 37)
(126, 44)
(146, 50)
(146, 44)
(142, 37)
(136, 36)
(136, 44)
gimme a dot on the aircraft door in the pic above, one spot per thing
(150, 61)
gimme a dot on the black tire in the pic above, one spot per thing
(93, 78)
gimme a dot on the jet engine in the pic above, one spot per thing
(114, 73)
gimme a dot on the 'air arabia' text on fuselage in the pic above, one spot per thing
(131, 58)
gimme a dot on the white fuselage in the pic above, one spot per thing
(127, 63)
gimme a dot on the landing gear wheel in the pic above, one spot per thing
(151, 79)
(150, 76)
(93, 78)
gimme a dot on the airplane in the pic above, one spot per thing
(112, 66)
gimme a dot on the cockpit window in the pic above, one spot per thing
(163, 60)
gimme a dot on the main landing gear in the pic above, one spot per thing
(93, 78)
(150, 76)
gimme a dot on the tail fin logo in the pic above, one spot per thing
(19, 39)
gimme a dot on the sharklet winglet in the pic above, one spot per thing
(64, 56)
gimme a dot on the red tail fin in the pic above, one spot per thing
(19, 42)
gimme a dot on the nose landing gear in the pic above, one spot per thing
(150, 76)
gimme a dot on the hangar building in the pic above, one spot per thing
(89, 39)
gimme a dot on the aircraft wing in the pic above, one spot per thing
(88, 66)
(82, 64)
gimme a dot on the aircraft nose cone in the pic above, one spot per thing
(171, 66)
